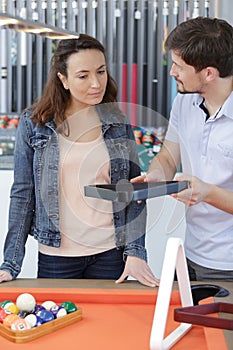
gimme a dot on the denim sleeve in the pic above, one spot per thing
(22, 200)
(136, 213)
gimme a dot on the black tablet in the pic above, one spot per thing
(126, 192)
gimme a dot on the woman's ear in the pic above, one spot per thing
(63, 80)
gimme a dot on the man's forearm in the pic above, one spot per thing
(220, 198)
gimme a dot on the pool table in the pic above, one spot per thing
(113, 316)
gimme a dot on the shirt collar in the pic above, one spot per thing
(225, 110)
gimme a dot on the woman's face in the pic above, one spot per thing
(86, 78)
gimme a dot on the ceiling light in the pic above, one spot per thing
(21, 25)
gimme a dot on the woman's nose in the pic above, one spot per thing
(95, 81)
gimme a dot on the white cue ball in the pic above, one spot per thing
(26, 302)
(48, 304)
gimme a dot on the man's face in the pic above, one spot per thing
(187, 79)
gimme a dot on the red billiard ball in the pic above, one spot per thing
(3, 314)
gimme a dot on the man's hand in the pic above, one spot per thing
(196, 193)
(138, 269)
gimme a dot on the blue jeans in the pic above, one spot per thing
(106, 265)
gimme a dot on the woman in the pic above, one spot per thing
(75, 135)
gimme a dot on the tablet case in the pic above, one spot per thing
(126, 192)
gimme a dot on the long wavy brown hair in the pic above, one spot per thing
(55, 99)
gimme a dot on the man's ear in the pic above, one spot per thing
(211, 73)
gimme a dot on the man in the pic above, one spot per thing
(200, 137)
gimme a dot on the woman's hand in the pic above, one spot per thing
(141, 178)
(138, 269)
(5, 276)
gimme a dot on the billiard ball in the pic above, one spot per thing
(4, 304)
(48, 304)
(38, 307)
(23, 314)
(20, 325)
(7, 304)
(69, 306)
(3, 314)
(9, 319)
(26, 302)
(12, 308)
(45, 315)
(33, 320)
(58, 311)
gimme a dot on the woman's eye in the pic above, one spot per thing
(101, 72)
(82, 76)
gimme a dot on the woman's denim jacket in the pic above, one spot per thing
(34, 204)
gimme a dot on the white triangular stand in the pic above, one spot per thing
(174, 259)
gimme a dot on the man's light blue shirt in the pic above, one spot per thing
(206, 148)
